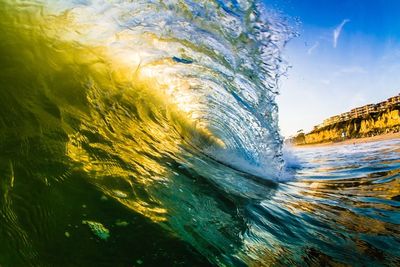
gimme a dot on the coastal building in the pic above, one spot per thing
(394, 100)
(363, 111)
(331, 120)
(365, 121)
(382, 106)
(345, 116)
(371, 108)
(360, 112)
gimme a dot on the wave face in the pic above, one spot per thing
(160, 107)
(144, 133)
(217, 62)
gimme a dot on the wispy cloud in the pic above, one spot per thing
(312, 48)
(337, 31)
(349, 70)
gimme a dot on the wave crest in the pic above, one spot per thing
(218, 61)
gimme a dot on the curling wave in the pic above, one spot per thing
(145, 98)
(217, 62)
(144, 133)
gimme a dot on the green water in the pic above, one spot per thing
(45, 196)
(117, 150)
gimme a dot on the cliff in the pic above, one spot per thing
(370, 125)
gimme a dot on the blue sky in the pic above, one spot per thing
(347, 55)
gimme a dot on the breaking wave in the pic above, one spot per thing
(163, 106)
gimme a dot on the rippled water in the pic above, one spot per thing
(344, 204)
(145, 133)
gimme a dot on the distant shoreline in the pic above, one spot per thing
(382, 137)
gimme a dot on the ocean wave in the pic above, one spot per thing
(218, 62)
(145, 132)
(143, 98)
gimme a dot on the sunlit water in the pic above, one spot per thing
(145, 133)
(344, 204)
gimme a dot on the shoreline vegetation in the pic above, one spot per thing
(371, 122)
(362, 140)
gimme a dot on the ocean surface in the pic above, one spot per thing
(145, 133)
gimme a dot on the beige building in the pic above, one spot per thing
(363, 111)
(394, 100)
(360, 112)
(381, 106)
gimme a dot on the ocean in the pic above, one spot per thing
(145, 133)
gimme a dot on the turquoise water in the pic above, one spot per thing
(144, 133)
